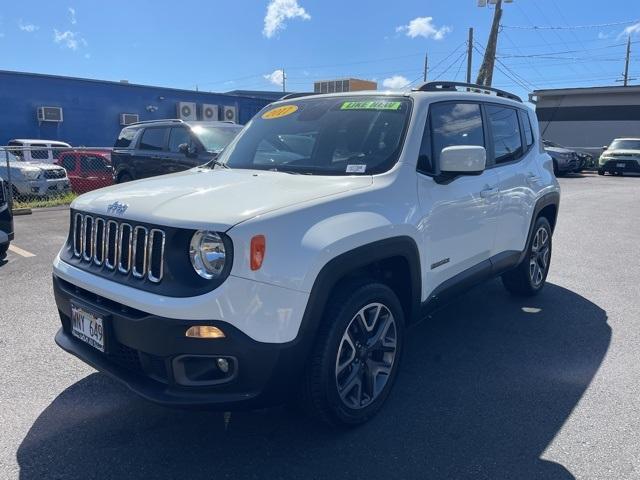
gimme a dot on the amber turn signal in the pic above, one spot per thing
(258, 249)
(204, 331)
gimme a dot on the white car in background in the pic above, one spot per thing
(34, 150)
(622, 156)
(32, 179)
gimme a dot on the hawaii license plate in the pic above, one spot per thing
(88, 327)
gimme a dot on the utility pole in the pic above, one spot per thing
(284, 81)
(626, 63)
(426, 66)
(485, 75)
(469, 55)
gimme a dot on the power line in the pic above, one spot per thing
(569, 27)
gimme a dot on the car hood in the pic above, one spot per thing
(634, 153)
(558, 150)
(214, 199)
(40, 165)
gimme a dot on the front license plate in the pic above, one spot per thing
(620, 165)
(87, 327)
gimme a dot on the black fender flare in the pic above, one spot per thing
(551, 198)
(345, 263)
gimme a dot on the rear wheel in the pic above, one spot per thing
(3, 251)
(600, 172)
(529, 277)
(355, 360)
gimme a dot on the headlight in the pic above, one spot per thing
(208, 254)
(603, 159)
(30, 173)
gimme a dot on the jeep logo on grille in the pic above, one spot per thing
(117, 208)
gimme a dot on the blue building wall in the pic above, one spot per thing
(92, 108)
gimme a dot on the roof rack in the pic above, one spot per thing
(144, 122)
(290, 96)
(471, 87)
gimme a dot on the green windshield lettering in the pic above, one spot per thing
(371, 105)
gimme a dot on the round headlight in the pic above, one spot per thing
(208, 255)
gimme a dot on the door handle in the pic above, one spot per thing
(489, 192)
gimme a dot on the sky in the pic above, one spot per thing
(222, 45)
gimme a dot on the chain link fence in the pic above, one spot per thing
(42, 175)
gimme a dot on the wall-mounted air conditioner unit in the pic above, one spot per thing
(129, 118)
(49, 114)
(209, 112)
(230, 114)
(186, 111)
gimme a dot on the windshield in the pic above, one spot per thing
(323, 136)
(625, 145)
(12, 157)
(215, 139)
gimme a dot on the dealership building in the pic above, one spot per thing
(588, 118)
(89, 112)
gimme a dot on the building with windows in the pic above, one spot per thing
(343, 85)
(90, 112)
(588, 118)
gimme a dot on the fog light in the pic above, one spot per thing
(223, 365)
(205, 331)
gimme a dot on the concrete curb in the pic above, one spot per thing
(21, 211)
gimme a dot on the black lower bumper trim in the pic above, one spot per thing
(140, 349)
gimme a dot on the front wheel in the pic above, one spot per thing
(530, 275)
(355, 360)
(3, 251)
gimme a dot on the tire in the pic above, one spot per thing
(3, 251)
(339, 385)
(124, 177)
(600, 172)
(529, 277)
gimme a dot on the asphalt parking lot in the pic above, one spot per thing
(491, 387)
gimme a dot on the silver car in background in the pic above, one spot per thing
(32, 179)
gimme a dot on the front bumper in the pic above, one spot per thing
(42, 187)
(629, 166)
(146, 352)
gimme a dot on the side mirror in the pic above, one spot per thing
(463, 160)
(605, 147)
(188, 150)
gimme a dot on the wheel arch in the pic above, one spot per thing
(546, 206)
(397, 260)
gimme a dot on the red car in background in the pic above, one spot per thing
(87, 170)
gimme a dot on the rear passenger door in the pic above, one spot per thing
(515, 158)
(151, 157)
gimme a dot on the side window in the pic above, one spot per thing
(92, 163)
(528, 131)
(69, 162)
(39, 154)
(17, 149)
(178, 136)
(153, 139)
(454, 124)
(505, 131)
(126, 137)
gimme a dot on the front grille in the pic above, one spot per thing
(131, 250)
(54, 173)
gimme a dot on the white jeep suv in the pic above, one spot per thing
(291, 266)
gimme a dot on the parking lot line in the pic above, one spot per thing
(20, 251)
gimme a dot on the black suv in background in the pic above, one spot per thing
(6, 219)
(147, 149)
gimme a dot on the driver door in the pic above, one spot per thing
(459, 215)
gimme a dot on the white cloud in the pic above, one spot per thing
(27, 27)
(280, 10)
(397, 82)
(276, 77)
(72, 15)
(69, 39)
(631, 30)
(603, 36)
(423, 27)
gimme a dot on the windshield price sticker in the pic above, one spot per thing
(380, 105)
(280, 112)
(356, 168)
